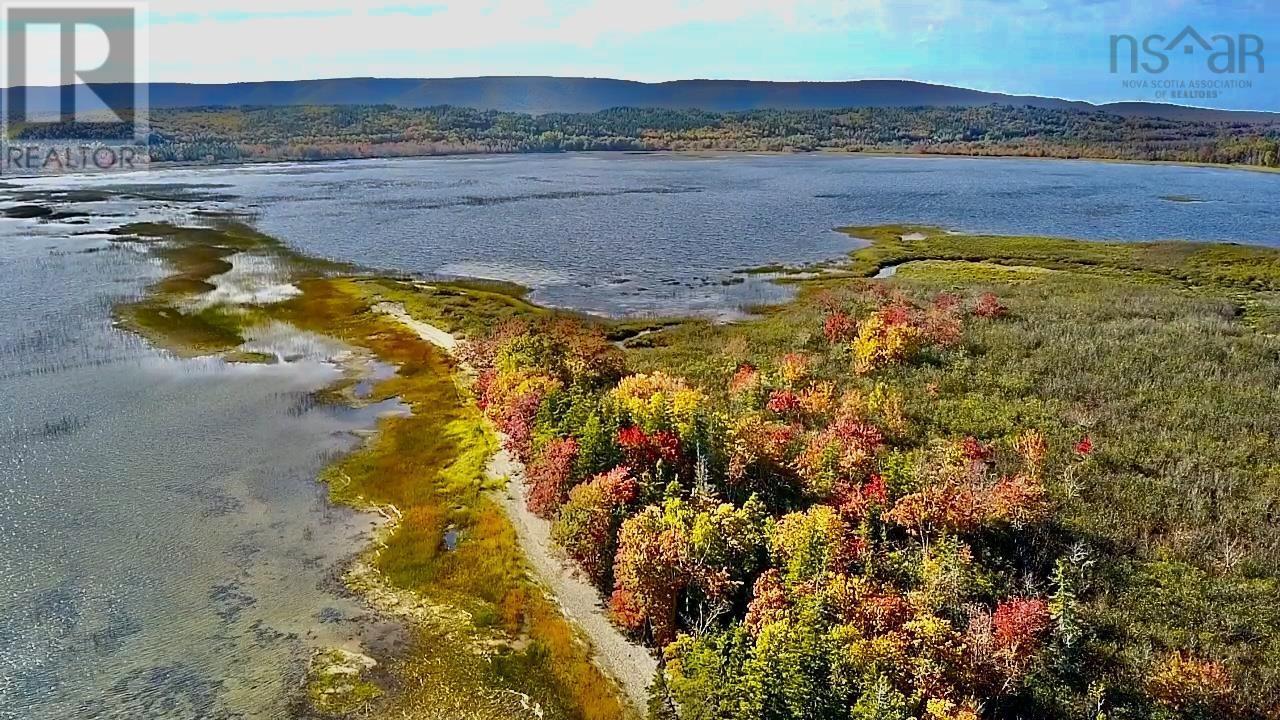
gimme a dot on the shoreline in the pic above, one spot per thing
(1166, 271)
(628, 663)
(441, 617)
(715, 153)
(704, 154)
(434, 459)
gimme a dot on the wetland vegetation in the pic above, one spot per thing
(1023, 477)
(488, 642)
(1148, 370)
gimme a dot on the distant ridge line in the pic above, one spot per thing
(540, 95)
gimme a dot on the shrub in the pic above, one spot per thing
(843, 451)
(1186, 684)
(550, 476)
(989, 306)
(649, 574)
(588, 523)
(659, 401)
(885, 340)
(839, 328)
(643, 451)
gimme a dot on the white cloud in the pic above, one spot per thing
(197, 41)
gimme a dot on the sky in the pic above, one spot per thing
(1058, 48)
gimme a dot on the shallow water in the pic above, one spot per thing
(165, 551)
(619, 233)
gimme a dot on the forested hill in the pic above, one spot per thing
(539, 95)
(318, 133)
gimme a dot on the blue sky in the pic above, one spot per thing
(1045, 47)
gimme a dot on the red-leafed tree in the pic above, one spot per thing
(550, 476)
(768, 601)
(843, 451)
(642, 451)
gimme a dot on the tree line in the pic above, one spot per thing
(332, 132)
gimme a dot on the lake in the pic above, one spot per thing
(653, 234)
(165, 551)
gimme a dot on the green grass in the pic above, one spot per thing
(1164, 354)
(465, 307)
(484, 285)
(185, 333)
(1222, 266)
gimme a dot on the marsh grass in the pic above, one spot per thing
(509, 651)
(1220, 266)
(193, 266)
(1164, 354)
(185, 333)
(465, 307)
(193, 257)
(249, 357)
(431, 467)
(484, 285)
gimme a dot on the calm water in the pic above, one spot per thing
(164, 550)
(650, 234)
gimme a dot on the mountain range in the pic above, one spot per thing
(541, 95)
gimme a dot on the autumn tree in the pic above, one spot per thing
(588, 524)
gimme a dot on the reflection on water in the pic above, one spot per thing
(621, 233)
(165, 551)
